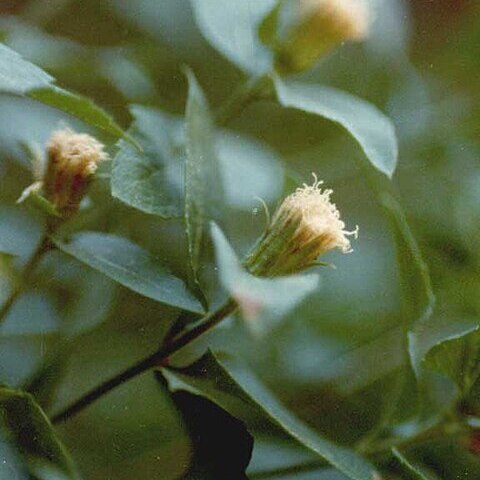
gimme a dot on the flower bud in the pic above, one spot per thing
(305, 226)
(72, 160)
(307, 29)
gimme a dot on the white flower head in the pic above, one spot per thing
(72, 160)
(305, 226)
(78, 153)
(320, 218)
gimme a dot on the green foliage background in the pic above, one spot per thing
(385, 348)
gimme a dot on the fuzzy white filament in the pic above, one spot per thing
(78, 153)
(320, 217)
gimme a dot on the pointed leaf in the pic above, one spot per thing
(234, 388)
(33, 449)
(151, 179)
(370, 127)
(261, 300)
(203, 183)
(414, 274)
(232, 28)
(414, 277)
(80, 107)
(19, 77)
(131, 266)
(457, 356)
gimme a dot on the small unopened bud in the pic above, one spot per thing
(305, 226)
(72, 160)
(307, 29)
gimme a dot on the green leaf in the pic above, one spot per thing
(370, 127)
(419, 299)
(43, 383)
(28, 436)
(32, 314)
(234, 388)
(419, 471)
(250, 170)
(262, 301)
(19, 77)
(131, 266)
(150, 179)
(232, 28)
(457, 356)
(222, 446)
(80, 107)
(414, 274)
(203, 183)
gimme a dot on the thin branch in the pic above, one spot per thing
(156, 359)
(44, 246)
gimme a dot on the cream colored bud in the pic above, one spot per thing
(314, 27)
(72, 160)
(305, 226)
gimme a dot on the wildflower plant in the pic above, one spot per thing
(149, 288)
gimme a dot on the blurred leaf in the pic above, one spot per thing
(457, 356)
(389, 36)
(250, 170)
(45, 380)
(149, 179)
(127, 75)
(232, 28)
(370, 127)
(222, 446)
(131, 266)
(233, 388)
(419, 471)
(26, 430)
(19, 77)
(414, 276)
(262, 301)
(19, 232)
(414, 273)
(368, 361)
(38, 46)
(85, 312)
(152, 180)
(204, 196)
(32, 314)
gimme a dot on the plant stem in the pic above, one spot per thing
(251, 91)
(156, 359)
(254, 89)
(44, 246)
